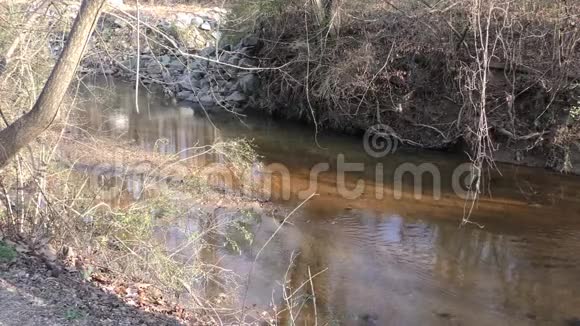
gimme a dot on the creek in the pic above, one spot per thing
(382, 255)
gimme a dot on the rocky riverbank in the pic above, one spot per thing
(183, 54)
(419, 92)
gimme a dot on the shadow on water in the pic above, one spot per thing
(381, 261)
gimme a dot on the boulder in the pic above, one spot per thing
(205, 26)
(225, 57)
(206, 99)
(249, 41)
(204, 84)
(197, 21)
(248, 83)
(184, 95)
(154, 68)
(184, 19)
(120, 23)
(217, 35)
(234, 60)
(207, 52)
(189, 84)
(176, 66)
(197, 74)
(247, 62)
(165, 60)
(196, 65)
(116, 3)
(236, 97)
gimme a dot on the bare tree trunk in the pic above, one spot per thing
(44, 111)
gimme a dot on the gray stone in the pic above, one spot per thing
(236, 97)
(233, 60)
(246, 50)
(154, 68)
(130, 63)
(206, 99)
(204, 84)
(165, 59)
(121, 23)
(184, 95)
(247, 62)
(197, 21)
(167, 77)
(229, 86)
(195, 65)
(189, 84)
(207, 52)
(185, 19)
(197, 74)
(217, 35)
(116, 3)
(221, 83)
(249, 41)
(205, 26)
(176, 67)
(248, 83)
(220, 10)
(225, 57)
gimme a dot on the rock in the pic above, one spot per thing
(205, 26)
(154, 68)
(167, 77)
(197, 21)
(247, 62)
(246, 50)
(184, 19)
(206, 99)
(120, 23)
(196, 65)
(221, 83)
(220, 10)
(236, 97)
(189, 84)
(249, 41)
(204, 84)
(230, 86)
(197, 74)
(225, 57)
(207, 52)
(116, 3)
(165, 60)
(217, 35)
(248, 83)
(235, 60)
(130, 63)
(184, 95)
(176, 66)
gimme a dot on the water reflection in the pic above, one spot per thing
(375, 262)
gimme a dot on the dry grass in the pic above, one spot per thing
(413, 65)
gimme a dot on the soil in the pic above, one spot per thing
(31, 295)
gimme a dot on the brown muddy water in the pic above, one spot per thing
(392, 259)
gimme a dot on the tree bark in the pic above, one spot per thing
(46, 108)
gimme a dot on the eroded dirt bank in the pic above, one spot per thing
(371, 64)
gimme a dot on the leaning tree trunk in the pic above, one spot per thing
(45, 110)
